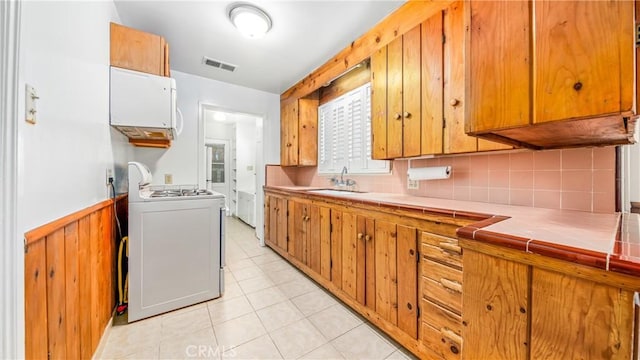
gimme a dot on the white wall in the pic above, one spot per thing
(246, 156)
(183, 158)
(64, 157)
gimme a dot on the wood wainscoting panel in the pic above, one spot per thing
(56, 295)
(35, 289)
(69, 283)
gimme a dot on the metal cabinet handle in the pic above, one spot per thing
(360, 235)
(454, 102)
(367, 237)
(450, 247)
(451, 285)
(397, 116)
(407, 114)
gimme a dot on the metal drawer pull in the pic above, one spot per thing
(450, 247)
(451, 285)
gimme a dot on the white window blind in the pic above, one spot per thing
(344, 135)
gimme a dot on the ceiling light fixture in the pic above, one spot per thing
(250, 20)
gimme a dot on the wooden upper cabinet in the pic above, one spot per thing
(418, 91)
(379, 104)
(584, 58)
(396, 107)
(138, 50)
(289, 134)
(548, 74)
(299, 132)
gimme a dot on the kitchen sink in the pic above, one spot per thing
(336, 192)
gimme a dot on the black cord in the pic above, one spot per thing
(115, 209)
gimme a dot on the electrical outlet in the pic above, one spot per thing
(109, 176)
(168, 179)
(412, 184)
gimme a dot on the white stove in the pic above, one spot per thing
(176, 245)
(141, 189)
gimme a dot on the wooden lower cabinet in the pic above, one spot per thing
(368, 259)
(495, 297)
(308, 241)
(517, 307)
(598, 318)
(441, 295)
(275, 220)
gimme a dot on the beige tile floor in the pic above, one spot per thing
(269, 310)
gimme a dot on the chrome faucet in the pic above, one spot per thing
(342, 182)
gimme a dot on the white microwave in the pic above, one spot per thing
(142, 105)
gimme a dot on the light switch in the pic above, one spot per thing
(30, 104)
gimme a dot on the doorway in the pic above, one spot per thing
(232, 149)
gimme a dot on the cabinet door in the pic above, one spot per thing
(499, 65)
(495, 299)
(276, 222)
(353, 258)
(268, 227)
(407, 257)
(336, 248)
(455, 138)
(314, 238)
(584, 58)
(307, 132)
(289, 134)
(281, 226)
(411, 95)
(385, 240)
(366, 226)
(432, 85)
(298, 237)
(325, 243)
(598, 318)
(137, 50)
(379, 104)
(394, 98)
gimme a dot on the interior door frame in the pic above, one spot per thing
(259, 162)
(11, 252)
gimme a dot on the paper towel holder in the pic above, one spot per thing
(429, 173)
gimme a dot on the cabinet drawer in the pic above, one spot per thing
(443, 342)
(440, 318)
(436, 271)
(445, 292)
(442, 249)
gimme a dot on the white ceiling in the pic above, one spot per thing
(305, 35)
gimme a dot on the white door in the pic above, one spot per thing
(218, 170)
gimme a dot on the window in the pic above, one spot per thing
(344, 135)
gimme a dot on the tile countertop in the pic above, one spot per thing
(606, 241)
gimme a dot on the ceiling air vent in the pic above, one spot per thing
(218, 64)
